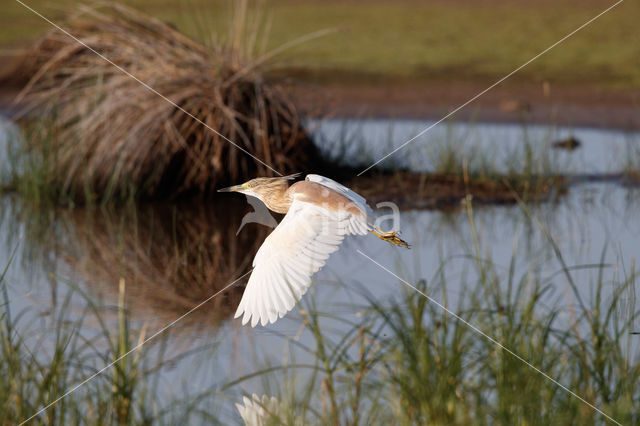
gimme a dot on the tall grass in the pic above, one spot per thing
(109, 136)
(401, 361)
(40, 371)
(407, 361)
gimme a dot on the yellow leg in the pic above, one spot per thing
(391, 237)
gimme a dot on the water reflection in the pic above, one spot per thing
(172, 257)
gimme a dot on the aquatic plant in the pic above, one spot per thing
(55, 374)
(506, 353)
(399, 360)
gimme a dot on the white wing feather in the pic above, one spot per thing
(256, 411)
(290, 255)
(259, 411)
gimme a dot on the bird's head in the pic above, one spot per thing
(262, 188)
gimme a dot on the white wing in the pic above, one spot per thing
(258, 411)
(358, 199)
(290, 255)
(265, 411)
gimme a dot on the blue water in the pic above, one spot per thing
(593, 217)
(364, 142)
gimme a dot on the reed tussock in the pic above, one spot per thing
(112, 135)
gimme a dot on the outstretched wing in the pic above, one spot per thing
(353, 196)
(259, 411)
(290, 255)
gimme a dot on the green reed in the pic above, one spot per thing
(409, 361)
(403, 360)
(44, 365)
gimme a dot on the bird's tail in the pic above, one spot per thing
(391, 237)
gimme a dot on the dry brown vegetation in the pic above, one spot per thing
(111, 135)
(171, 257)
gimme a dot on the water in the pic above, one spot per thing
(9, 132)
(503, 146)
(174, 256)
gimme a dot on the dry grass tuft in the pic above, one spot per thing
(111, 135)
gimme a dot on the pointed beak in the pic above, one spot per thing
(235, 188)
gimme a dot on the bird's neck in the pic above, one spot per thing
(279, 203)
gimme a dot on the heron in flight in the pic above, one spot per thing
(319, 212)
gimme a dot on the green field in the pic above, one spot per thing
(408, 40)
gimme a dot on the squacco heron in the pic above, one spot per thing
(319, 213)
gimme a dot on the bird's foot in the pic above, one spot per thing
(391, 237)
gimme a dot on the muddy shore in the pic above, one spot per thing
(509, 103)
(517, 102)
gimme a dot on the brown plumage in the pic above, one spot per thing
(319, 214)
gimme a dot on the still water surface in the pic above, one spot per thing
(174, 256)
